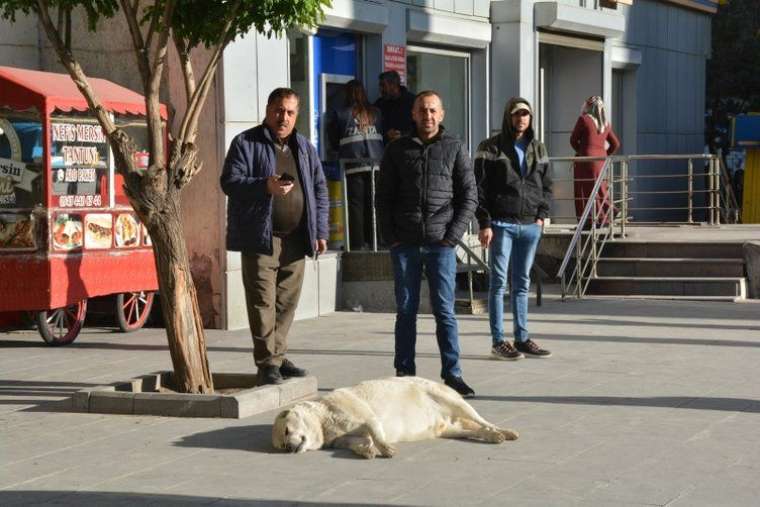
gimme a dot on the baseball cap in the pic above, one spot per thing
(520, 106)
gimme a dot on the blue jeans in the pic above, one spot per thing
(520, 242)
(440, 269)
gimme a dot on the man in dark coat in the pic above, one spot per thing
(395, 104)
(426, 199)
(276, 215)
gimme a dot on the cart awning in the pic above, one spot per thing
(47, 91)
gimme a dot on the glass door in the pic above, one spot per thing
(447, 73)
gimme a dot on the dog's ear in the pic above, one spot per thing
(283, 414)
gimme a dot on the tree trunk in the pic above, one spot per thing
(179, 302)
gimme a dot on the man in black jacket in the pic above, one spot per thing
(395, 103)
(514, 197)
(426, 199)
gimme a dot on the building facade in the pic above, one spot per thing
(646, 58)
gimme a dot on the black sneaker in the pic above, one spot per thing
(531, 348)
(288, 369)
(402, 373)
(504, 351)
(458, 384)
(270, 374)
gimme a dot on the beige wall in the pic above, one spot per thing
(19, 43)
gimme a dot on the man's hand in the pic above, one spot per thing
(540, 222)
(485, 236)
(392, 134)
(277, 187)
(320, 246)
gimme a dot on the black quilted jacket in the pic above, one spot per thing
(426, 192)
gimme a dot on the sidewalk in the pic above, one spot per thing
(642, 403)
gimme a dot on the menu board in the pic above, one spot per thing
(80, 161)
(20, 160)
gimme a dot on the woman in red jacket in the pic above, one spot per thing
(592, 137)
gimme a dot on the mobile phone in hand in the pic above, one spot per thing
(287, 178)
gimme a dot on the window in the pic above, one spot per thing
(298, 47)
(448, 73)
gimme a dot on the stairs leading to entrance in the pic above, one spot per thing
(671, 270)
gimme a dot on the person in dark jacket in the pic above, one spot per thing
(514, 197)
(354, 131)
(276, 214)
(395, 103)
(426, 199)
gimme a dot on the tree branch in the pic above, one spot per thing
(189, 125)
(74, 69)
(187, 67)
(185, 164)
(141, 51)
(153, 106)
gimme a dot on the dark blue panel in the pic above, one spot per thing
(334, 53)
(747, 129)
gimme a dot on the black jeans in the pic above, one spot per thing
(359, 191)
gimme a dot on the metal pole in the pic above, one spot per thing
(691, 190)
(611, 197)
(624, 192)
(592, 237)
(716, 191)
(578, 265)
(344, 176)
(374, 215)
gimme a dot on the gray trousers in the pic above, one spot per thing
(272, 289)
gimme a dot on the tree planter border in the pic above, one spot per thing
(141, 396)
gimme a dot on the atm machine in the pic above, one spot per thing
(336, 61)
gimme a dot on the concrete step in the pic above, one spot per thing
(670, 267)
(724, 299)
(734, 287)
(672, 249)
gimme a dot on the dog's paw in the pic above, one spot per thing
(492, 436)
(365, 451)
(509, 434)
(386, 450)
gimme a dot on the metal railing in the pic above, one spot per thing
(607, 213)
(599, 220)
(666, 195)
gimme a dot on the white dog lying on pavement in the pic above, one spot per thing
(368, 418)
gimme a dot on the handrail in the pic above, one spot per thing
(586, 212)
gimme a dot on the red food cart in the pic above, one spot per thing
(67, 231)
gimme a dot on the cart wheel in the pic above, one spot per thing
(62, 325)
(132, 309)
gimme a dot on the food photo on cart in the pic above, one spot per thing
(70, 243)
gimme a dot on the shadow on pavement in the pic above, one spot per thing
(637, 323)
(108, 499)
(254, 438)
(692, 403)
